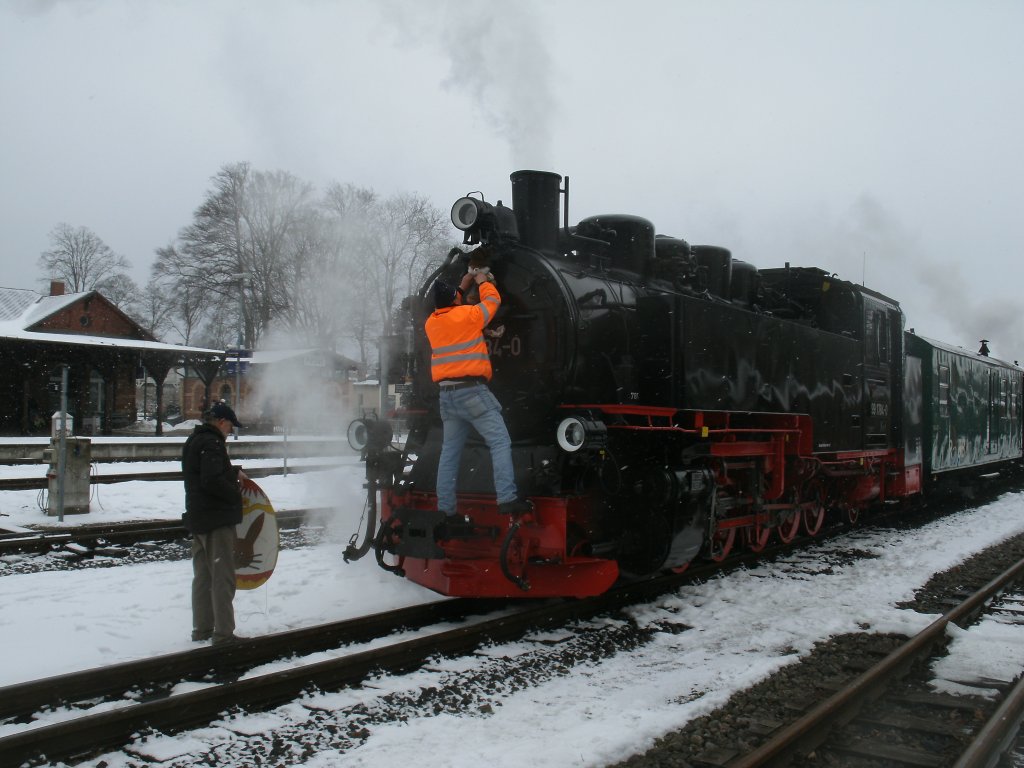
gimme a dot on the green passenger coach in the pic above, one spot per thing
(969, 412)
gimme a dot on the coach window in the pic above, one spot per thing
(943, 390)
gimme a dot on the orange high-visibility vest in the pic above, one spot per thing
(456, 337)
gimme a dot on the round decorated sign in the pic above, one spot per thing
(256, 538)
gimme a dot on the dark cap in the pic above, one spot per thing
(222, 411)
(444, 294)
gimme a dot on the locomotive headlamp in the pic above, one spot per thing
(369, 433)
(466, 212)
(482, 222)
(357, 435)
(575, 433)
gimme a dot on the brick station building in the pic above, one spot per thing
(104, 350)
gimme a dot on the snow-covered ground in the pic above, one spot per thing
(741, 623)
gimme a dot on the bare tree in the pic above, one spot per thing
(243, 244)
(367, 254)
(122, 291)
(280, 221)
(174, 276)
(154, 308)
(85, 263)
(214, 247)
(263, 249)
(314, 283)
(409, 243)
(331, 284)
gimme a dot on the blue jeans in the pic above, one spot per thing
(476, 407)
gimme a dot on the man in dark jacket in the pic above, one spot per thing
(213, 507)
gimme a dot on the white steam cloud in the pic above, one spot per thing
(498, 61)
(870, 245)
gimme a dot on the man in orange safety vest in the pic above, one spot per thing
(461, 367)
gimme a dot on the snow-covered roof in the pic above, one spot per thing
(21, 309)
(270, 356)
(15, 303)
(267, 356)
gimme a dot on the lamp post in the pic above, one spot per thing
(62, 444)
(238, 350)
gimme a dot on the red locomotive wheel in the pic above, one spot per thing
(721, 544)
(789, 525)
(814, 519)
(756, 537)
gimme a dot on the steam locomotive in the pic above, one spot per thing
(666, 402)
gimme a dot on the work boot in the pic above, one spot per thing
(516, 508)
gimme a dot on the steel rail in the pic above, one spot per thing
(24, 699)
(151, 447)
(90, 734)
(38, 483)
(45, 539)
(806, 733)
(998, 734)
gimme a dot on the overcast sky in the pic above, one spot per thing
(880, 140)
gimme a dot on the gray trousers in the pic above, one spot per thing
(213, 584)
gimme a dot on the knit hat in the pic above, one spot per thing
(444, 294)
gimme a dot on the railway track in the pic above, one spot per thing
(38, 483)
(871, 699)
(145, 703)
(144, 686)
(151, 707)
(888, 716)
(140, 699)
(91, 539)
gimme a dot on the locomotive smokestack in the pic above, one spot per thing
(535, 202)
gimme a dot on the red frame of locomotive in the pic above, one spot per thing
(533, 552)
